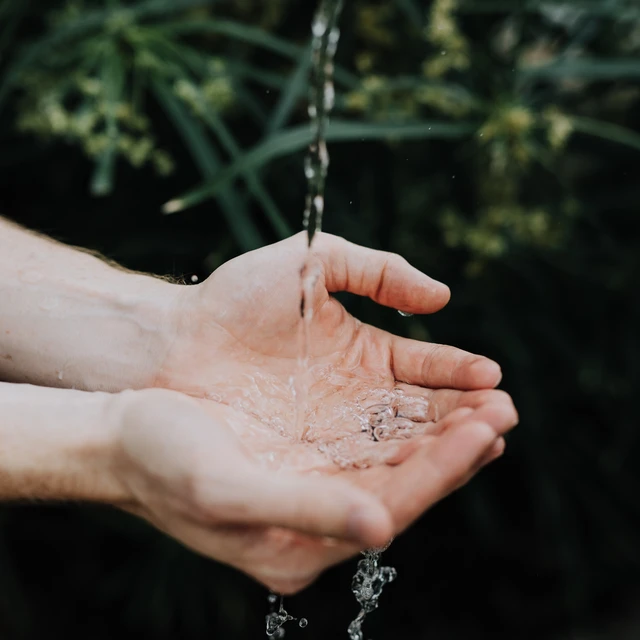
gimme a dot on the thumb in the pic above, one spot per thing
(384, 277)
(318, 506)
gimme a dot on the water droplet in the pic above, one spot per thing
(417, 410)
(309, 171)
(194, 278)
(303, 622)
(319, 26)
(60, 375)
(329, 96)
(402, 428)
(379, 414)
(382, 432)
(272, 598)
(405, 314)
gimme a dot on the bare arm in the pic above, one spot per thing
(196, 468)
(57, 445)
(69, 319)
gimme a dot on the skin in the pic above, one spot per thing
(198, 431)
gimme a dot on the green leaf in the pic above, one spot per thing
(199, 64)
(236, 30)
(254, 36)
(253, 181)
(207, 160)
(298, 138)
(592, 7)
(296, 87)
(587, 69)
(113, 81)
(607, 131)
(165, 8)
(86, 23)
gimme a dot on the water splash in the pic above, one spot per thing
(367, 585)
(399, 416)
(277, 618)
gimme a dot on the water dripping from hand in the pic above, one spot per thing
(367, 585)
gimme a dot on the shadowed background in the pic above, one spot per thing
(494, 144)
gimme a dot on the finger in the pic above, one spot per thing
(318, 506)
(493, 454)
(454, 417)
(384, 277)
(493, 406)
(435, 470)
(441, 366)
(501, 416)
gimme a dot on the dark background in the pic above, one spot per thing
(523, 197)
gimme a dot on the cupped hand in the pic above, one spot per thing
(236, 351)
(189, 474)
(239, 339)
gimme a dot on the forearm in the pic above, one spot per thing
(69, 319)
(58, 445)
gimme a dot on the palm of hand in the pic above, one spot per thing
(239, 351)
(242, 350)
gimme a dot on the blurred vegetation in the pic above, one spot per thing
(494, 143)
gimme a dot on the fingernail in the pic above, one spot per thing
(488, 370)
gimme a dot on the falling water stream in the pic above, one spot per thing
(325, 36)
(380, 420)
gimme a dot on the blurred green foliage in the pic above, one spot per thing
(495, 144)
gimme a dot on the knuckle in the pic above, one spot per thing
(395, 258)
(193, 496)
(200, 503)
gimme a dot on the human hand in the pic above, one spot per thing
(239, 338)
(182, 467)
(179, 463)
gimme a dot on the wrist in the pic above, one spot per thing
(151, 310)
(59, 445)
